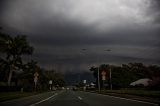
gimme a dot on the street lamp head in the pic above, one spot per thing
(84, 49)
(108, 50)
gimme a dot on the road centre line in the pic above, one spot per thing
(44, 99)
(126, 99)
(79, 98)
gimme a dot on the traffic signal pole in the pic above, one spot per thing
(110, 76)
(98, 81)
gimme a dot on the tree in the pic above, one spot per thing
(123, 75)
(3, 66)
(154, 74)
(57, 78)
(13, 48)
(27, 76)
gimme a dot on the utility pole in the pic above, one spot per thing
(98, 81)
(110, 76)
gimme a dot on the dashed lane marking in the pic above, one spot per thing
(79, 98)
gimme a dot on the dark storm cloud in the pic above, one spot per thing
(155, 5)
(155, 10)
(60, 30)
(74, 36)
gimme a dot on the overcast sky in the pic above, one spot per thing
(72, 35)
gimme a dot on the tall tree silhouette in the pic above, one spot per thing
(12, 49)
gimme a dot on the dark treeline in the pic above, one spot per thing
(122, 76)
(17, 72)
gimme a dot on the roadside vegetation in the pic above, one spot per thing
(122, 76)
(143, 93)
(19, 71)
(4, 96)
(119, 78)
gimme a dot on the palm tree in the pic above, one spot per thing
(12, 48)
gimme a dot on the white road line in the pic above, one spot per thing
(44, 100)
(79, 98)
(127, 99)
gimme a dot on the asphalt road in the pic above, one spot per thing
(73, 98)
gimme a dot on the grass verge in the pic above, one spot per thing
(146, 93)
(4, 96)
(142, 95)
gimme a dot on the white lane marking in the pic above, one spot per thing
(44, 100)
(76, 95)
(127, 99)
(79, 98)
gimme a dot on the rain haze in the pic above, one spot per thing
(73, 35)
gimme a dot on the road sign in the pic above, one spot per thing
(84, 81)
(50, 82)
(35, 80)
(103, 77)
(103, 73)
(36, 74)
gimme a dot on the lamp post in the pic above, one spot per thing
(110, 76)
(98, 81)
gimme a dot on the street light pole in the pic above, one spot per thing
(98, 81)
(110, 75)
(99, 88)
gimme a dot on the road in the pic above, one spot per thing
(73, 98)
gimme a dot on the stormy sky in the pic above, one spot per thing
(73, 35)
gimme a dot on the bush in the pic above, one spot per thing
(9, 88)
